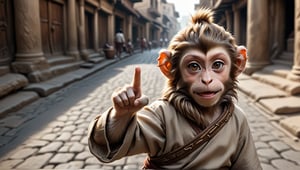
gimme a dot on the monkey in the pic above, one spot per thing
(178, 48)
(196, 124)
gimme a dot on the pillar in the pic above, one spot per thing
(72, 30)
(237, 24)
(129, 27)
(82, 38)
(295, 73)
(29, 56)
(111, 29)
(147, 31)
(96, 30)
(257, 35)
(228, 20)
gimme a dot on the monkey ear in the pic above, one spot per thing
(164, 62)
(241, 59)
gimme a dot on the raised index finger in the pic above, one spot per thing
(137, 80)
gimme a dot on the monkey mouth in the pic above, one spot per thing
(207, 94)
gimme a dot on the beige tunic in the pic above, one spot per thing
(158, 129)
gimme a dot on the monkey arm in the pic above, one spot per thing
(111, 139)
(114, 136)
(106, 133)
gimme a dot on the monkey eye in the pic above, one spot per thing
(218, 65)
(194, 66)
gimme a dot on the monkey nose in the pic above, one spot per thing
(206, 79)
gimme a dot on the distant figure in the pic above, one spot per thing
(119, 42)
(143, 44)
(129, 47)
(166, 41)
(149, 45)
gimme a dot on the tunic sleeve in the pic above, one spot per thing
(143, 134)
(246, 157)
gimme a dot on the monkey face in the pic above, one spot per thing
(205, 74)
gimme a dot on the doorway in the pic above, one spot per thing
(52, 27)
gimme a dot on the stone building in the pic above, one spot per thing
(169, 20)
(270, 31)
(40, 40)
(162, 17)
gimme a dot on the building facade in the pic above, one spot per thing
(43, 39)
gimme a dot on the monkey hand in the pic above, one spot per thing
(129, 99)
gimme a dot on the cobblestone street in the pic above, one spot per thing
(51, 132)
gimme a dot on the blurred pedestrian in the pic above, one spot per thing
(166, 41)
(119, 42)
(149, 45)
(129, 46)
(143, 44)
(161, 41)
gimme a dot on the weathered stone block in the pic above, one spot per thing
(292, 124)
(12, 82)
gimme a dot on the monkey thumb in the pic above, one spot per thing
(142, 101)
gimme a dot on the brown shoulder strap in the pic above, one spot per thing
(185, 150)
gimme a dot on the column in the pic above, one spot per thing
(129, 27)
(96, 30)
(111, 29)
(147, 31)
(82, 38)
(228, 20)
(257, 36)
(295, 73)
(29, 55)
(236, 25)
(72, 30)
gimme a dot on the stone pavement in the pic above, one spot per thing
(273, 94)
(51, 132)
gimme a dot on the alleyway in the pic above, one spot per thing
(52, 131)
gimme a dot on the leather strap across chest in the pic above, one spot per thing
(185, 150)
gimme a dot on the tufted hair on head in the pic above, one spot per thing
(203, 14)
